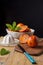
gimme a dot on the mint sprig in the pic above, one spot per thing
(13, 27)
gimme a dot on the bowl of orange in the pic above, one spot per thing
(18, 29)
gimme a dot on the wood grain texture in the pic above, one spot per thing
(33, 51)
(4, 58)
(17, 58)
(20, 59)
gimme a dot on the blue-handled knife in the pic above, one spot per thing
(27, 55)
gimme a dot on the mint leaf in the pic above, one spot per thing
(4, 51)
(17, 28)
(14, 24)
(0, 52)
(9, 26)
(7, 52)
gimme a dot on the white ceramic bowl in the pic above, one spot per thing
(17, 34)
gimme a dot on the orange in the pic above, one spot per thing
(23, 38)
(32, 41)
(20, 24)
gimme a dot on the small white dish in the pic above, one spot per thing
(17, 34)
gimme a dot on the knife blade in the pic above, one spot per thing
(30, 58)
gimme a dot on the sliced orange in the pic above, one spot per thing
(23, 38)
(28, 30)
(23, 28)
(20, 24)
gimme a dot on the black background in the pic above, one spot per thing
(30, 12)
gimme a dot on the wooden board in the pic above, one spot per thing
(17, 58)
(33, 51)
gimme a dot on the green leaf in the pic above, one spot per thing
(13, 27)
(17, 28)
(9, 26)
(4, 51)
(14, 24)
(0, 52)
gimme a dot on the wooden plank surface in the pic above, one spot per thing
(3, 58)
(20, 59)
(17, 58)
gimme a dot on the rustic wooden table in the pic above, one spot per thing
(17, 58)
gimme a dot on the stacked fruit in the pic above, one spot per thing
(24, 38)
(24, 28)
